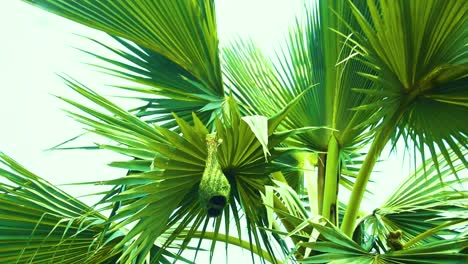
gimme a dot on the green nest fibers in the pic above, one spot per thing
(214, 187)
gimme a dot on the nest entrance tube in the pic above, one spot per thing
(214, 189)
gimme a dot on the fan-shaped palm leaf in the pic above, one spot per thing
(170, 50)
(417, 50)
(169, 168)
(41, 223)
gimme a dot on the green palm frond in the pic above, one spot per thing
(236, 146)
(39, 223)
(168, 168)
(313, 55)
(281, 200)
(169, 51)
(418, 52)
(290, 218)
(427, 201)
(336, 248)
(428, 217)
(162, 85)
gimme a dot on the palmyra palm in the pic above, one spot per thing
(234, 146)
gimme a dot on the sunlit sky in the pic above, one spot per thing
(35, 45)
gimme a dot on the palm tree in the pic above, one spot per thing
(235, 146)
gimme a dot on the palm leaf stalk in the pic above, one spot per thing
(330, 199)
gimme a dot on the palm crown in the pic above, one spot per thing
(229, 137)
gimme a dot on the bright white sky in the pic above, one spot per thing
(35, 45)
